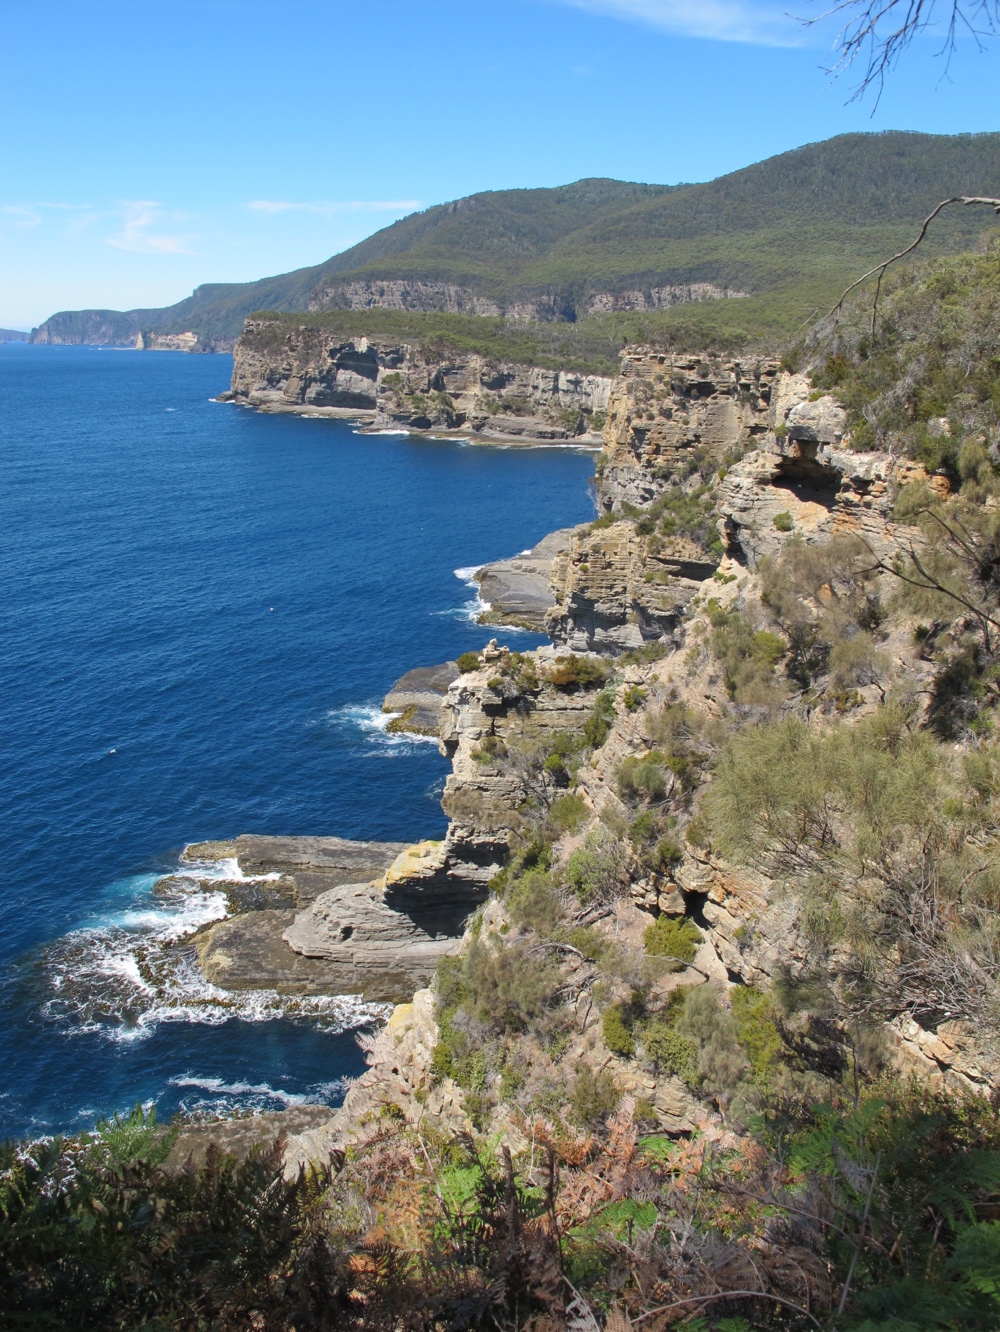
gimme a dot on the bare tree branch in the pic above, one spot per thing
(880, 268)
(880, 31)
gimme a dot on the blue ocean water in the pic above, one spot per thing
(201, 610)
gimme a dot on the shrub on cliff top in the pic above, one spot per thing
(934, 355)
(676, 940)
(568, 812)
(468, 661)
(593, 1098)
(569, 672)
(601, 719)
(596, 871)
(617, 1035)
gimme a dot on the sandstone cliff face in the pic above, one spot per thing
(450, 298)
(400, 385)
(787, 473)
(665, 413)
(493, 398)
(286, 373)
(614, 591)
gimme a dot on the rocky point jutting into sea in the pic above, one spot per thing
(720, 482)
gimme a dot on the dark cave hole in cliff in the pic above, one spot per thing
(811, 489)
(694, 909)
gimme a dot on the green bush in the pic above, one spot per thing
(468, 661)
(667, 853)
(757, 1031)
(508, 985)
(783, 521)
(572, 671)
(679, 511)
(672, 938)
(593, 1099)
(747, 656)
(617, 1035)
(596, 869)
(633, 698)
(568, 812)
(642, 777)
(534, 902)
(600, 721)
(669, 1051)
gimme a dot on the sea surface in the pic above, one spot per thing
(201, 610)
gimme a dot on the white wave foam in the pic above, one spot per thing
(372, 723)
(470, 610)
(137, 968)
(383, 432)
(240, 1089)
(225, 870)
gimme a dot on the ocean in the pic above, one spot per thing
(202, 608)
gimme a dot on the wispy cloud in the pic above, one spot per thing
(22, 216)
(138, 217)
(272, 206)
(722, 20)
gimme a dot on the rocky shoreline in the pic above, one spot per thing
(389, 386)
(377, 918)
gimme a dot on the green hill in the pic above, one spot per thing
(789, 232)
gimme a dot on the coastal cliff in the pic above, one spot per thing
(393, 384)
(732, 618)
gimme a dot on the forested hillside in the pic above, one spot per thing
(642, 261)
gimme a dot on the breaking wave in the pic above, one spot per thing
(210, 1096)
(370, 722)
(124, 975)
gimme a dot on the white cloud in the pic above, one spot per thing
(272, 206)
(21, 216)
(135, 235)
(721, 20)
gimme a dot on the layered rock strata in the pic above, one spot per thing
(452, 298)
(668, 413)
(369, 918)
(612, 591)
(396, 385)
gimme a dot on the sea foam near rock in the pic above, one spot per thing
(369, 721)
(123, 975)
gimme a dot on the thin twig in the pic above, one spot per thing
(861, 1238)
(730, 1295)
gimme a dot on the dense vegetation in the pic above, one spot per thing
(926, 379)
(792, 231)
(876, 1214)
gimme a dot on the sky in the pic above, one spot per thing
(147, 146)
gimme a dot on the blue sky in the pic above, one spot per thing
(150, 145)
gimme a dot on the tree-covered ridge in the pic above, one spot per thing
(791, 231)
